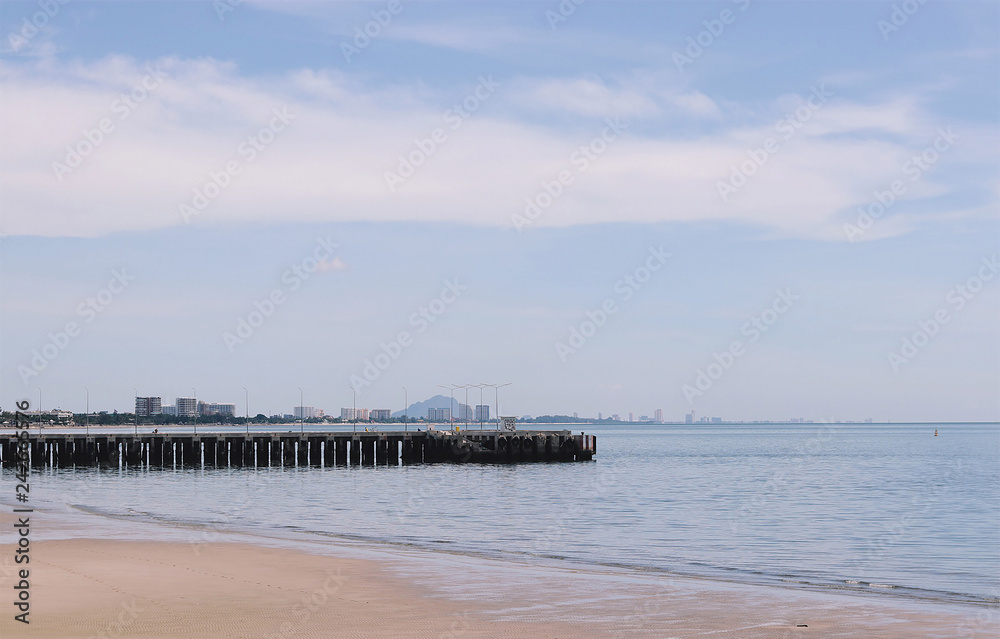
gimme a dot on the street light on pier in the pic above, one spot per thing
(496, 390)
(302, 413)
(354, 410)
(88, 408)
(134, 390)
(195, 417)
(481, 386)
(466, 387)
(451, 412)
(406, 410)
(246, 395)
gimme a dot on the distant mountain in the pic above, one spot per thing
(419, 409)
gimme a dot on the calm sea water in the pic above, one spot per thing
(889, 510)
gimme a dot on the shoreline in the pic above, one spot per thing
(194, 583)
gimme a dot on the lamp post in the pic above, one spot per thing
(195, 417)
(39, 411)
(134, 390)
(88, 408)
(466, 386)
(496, 390)
(480, 403)
(451, 414)
(354, 409)
(246, 395)
(406, 410)
(302, 425)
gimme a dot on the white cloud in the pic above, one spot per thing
(697, 103)
(583, 96)
(330, 162)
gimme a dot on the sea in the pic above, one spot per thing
(881, 510)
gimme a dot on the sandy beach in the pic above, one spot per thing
(84, 588)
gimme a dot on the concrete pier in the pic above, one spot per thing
(326, 449)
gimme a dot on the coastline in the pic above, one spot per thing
(102, 580)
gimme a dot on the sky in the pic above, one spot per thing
(747, 209)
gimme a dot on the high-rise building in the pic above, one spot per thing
(381, 414)
(305, 412)
(170, 410)
(207, 408)
(146, 406)
(482, 412)
(186, 406)
(658, 416)
(630, 416)
(689, 418)
(439, 414)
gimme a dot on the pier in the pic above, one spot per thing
(308, 449)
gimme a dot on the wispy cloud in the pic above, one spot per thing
(330, 163)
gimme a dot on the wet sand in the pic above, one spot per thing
(109, 588)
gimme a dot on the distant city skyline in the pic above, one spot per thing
(482, 413)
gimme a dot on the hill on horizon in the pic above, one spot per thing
(419, 409)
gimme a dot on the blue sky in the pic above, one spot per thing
(749, 163)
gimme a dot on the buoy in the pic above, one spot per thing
(935, 432)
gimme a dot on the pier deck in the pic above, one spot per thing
(288, 449)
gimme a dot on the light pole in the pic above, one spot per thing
(496, 390)
(466, 386)
(246, 394)
(302, 424)
(451, 413)
(39, 411)
(406, 410)
(481, 403)
(195, 417)
(354, 410)
(136, 410)
(88, 408)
